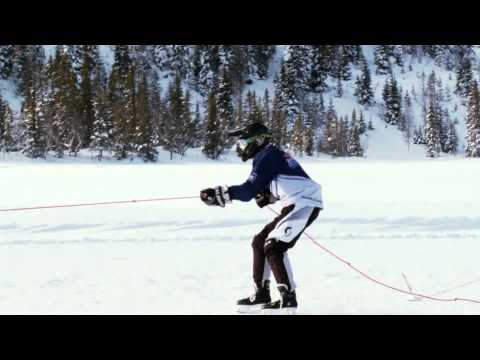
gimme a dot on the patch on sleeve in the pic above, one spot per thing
(291, 162)
(252, 177)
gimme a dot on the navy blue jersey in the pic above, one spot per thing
(268, 164)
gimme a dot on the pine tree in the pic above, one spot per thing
(321, 115)
(122, 97)
(115, 89)
(262, 55)
(298, 143)
(277, 126)
(288, 94)
(102, 133)
(309, 125)
(33, 126)
(392, 101)
(145, 61)
(122, 60)
(353, 53)
(90, 67)
(443, 126)
(197, 127)
(432, 51)
(239, 112)
(212, 147)
(75, 55)
(27, 64)
(178, 60)
(157, 110)
(448, 94)
(354, 117)
(5, 126)
(61, 99)
(451, 145)
(314, 115)
(296, 64)
(71, 99)
(339, 89)
(382, 59)
(178, 118)
(431, 132)
(131, 107)
(208, 66)
(87, 111)
(309, 141)
(319, 68)
(363, 87)
(266, 107)
(330, 132)
(342, 64)
(162, 57)
(188, 121)
(240, 70)
(434, 92)
(342, 137)
(449, 56)
(384, 54)
(419, 136)
(464, 77)
(255, 115)
(225, 103)
(196, 66)
(7, 53)
(472, 148)
(7, 136)
(406, 118)
(431, 89)
(143, 134)
(55, 103)
(3, 106)
(354, 145)
(362, 126)
(293, 81)
(250, 99)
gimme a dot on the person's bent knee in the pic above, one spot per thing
(274, 247)
(258, 242)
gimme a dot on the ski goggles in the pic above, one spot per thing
(243, 143)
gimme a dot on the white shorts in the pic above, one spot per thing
(291, 225)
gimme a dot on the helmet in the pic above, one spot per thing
(252, 138)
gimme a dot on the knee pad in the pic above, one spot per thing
(275, 247)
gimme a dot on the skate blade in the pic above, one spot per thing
(249, 309)
(286, 311)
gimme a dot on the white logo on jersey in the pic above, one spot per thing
(252, 177)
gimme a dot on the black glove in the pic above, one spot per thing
(217, 196)
(264, 198)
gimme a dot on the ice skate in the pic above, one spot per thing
(254, 303)
(287, 305)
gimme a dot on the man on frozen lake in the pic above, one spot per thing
(275, 176)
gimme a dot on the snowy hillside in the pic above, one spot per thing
(386, 141)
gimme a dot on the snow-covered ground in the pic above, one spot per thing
(418, 217)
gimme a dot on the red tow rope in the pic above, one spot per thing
(365, 275)
(98, 203)
(381, 283)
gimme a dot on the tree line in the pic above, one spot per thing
(73, 101)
